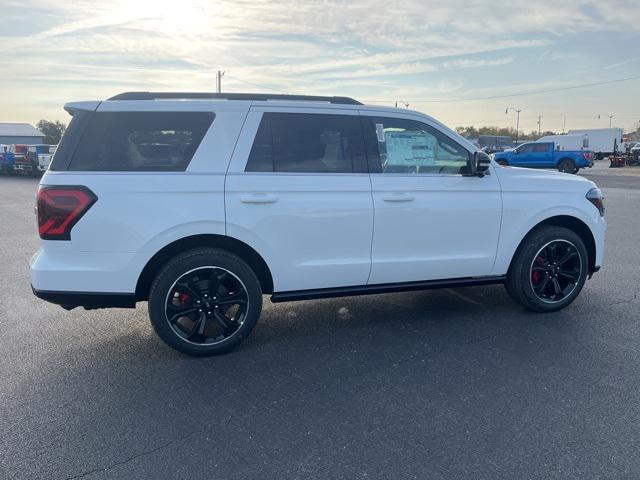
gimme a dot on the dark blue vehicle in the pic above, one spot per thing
(545, 155)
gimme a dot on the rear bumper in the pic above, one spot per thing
(59, 268)
(22, 167)
(88, 300)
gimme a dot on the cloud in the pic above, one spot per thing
(461, 63)
(367, 48)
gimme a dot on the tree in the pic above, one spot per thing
(52, 131)
(475, 132)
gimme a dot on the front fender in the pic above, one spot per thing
(515, 229)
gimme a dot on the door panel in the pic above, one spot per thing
(428, 226)
(449, 230)
(314, 230)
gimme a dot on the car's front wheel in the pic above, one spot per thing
(548, 270)
(205, 301)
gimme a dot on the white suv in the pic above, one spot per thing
(202, 203)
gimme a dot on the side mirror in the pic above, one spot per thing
(481, 162)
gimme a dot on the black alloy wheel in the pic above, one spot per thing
(556, 271)
(205, 301)
(207, 305)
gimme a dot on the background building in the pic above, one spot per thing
(11, 133)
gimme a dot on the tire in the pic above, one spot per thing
(194, 282)
(503, 162)
(533, 265)
(599, 156)
(567, 165)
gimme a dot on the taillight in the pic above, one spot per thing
(59, 208)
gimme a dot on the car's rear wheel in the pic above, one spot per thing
(548, 270)
(567, 166)
(205, 302)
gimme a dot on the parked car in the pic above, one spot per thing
(3, 154)
(40, 156)
(495, 143)
(545, 155)
(602, 141)
(491, 149)
(279, 195)
(15, 155)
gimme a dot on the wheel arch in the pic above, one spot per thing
(571, 223)
(230, 244)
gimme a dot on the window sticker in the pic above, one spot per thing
(410, 148)
(380, 132)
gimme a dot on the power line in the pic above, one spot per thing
(520, 94)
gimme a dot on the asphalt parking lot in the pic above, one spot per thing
(438, 384)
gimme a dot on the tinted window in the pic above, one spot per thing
(308, 143)
(139, 141)
(542, 147)
(396, 145)
(526, 148)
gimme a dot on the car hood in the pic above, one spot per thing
(529, 179)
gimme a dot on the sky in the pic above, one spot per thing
(443, 58)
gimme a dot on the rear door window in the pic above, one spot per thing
(308, 143)
(139, 141)
(542, 147)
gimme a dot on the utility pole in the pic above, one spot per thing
(219, 76)
(539, 123)
(564, 122)
(611, 115)
(517, 110)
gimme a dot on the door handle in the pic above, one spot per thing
(397, 197)
(258, 198)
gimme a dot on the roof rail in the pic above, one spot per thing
(231, 96)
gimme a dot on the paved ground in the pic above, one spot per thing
(441, 384)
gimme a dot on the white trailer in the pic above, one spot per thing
(602, 141)
(568, 141)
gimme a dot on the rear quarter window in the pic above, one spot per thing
(139, 141)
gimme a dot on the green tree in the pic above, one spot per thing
(52, 131)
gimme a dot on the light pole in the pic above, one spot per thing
(219, 76)
(611, 115)
(517, 110)
(539, 125)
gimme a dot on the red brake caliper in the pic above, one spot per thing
(536, 275)
(183, 298)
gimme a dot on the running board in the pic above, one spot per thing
(296, 295)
